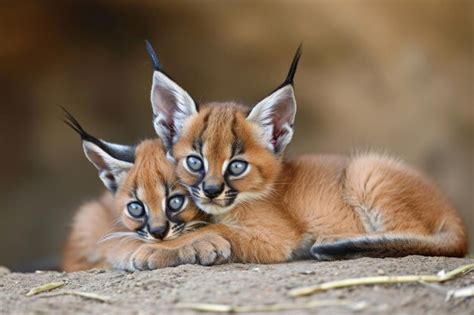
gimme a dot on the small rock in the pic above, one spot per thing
(4, 270)
(380, 272)
(307, 272)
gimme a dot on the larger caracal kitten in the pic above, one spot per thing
(139, 223)
(274, 210)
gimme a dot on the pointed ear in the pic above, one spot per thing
(172, 105)
(112, 170)
(275, 114)
(112, 160)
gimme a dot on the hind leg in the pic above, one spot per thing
(384, 195)
(401, 211)
(391, 197)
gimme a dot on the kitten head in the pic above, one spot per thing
(225, 153)
(149, 201)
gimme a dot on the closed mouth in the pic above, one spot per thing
(227, 200)
(221, 202)
(175, 231)
(146, 236)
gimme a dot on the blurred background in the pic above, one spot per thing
(393, 76)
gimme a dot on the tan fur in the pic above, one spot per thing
(148, 178)
(91, 222)
(283, 207)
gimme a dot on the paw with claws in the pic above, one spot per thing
(206, 249)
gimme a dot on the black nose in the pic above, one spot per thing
(212, 191)
(159, 231)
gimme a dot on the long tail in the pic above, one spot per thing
(392, 245)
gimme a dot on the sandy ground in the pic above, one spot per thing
(161, 291)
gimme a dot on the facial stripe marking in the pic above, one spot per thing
(237, 148)
(163, 204)
(224, 166)
(197, 145)
(206, 165)
(205, 124)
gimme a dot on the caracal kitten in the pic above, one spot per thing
(138, 224)
(274, 210)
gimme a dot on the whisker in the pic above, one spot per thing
(114, 235)
(194, 225)
(117, 221)
(133, 238)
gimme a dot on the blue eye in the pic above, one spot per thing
(175, 203)
(194, 163)
(237, 168)
(136, 209)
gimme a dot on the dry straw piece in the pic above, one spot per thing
(87, 295)
(460, 293)
(225, 308)
(45, 287)
(440, 277)
(56, 285)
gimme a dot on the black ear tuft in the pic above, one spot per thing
(120, 152)
(294, 64)
(74, 124)
(152, 54)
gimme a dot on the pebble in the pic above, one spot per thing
(4, 270)
(307, 272)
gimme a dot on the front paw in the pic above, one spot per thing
(207, 249)
(212, 249)
(154, 256)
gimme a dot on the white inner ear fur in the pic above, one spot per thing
(275, 115)
(111, 170)
(171, 106)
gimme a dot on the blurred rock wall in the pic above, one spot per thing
(393, 76)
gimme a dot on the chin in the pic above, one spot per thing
(211, 208)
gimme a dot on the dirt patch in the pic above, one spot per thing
(160, 291)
